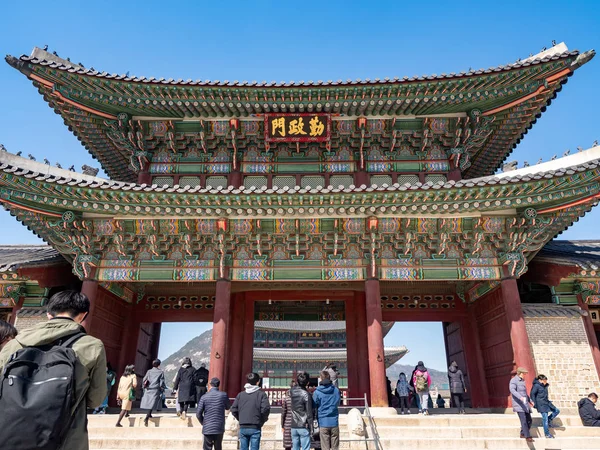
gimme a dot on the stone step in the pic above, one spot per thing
(445, 420)
(424, 443)
(178, 443)
(452, 432)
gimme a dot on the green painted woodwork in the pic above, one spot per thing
(202, 104)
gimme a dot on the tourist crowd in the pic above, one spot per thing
(309, 415)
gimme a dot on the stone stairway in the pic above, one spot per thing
(167, 431)
(480, 431)
(435, 432)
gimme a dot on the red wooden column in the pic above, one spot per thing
(221, 319)
(129, 338)
(236, 345)
(352, 352)
(362, 346)
(518, 332)
(476, 372)
(375, 341)
(248, 343)
(90, 289)
(590, 332)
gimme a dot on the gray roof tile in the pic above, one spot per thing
(13, 257)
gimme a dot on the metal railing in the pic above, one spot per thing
(374, 434)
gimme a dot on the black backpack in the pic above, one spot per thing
(37, 396)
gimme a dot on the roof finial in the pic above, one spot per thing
(58, 165)
(18, 153)
(54, 53)
(46, 162)
(2, 148)
(72, 168)
(553, 43)
(539, 161)
(579, 149)
(526, 164)
(31, 157)
(45, 48)
(553, 158)
(595, 144)
(567, 153)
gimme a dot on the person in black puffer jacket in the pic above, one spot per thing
(590, 416)
(541, 402)
(458, 388)
(302, 413)
(185, 386)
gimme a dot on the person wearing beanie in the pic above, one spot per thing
(458, 388)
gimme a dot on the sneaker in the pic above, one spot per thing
(425, 412)
(529, 439)
(408, 411)
(183, 416)
(119, 425)
(145, 422)
(402, 413)
(420, 411)
(549, 436)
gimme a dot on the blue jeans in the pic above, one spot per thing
(300, 439)
(547, 418)
(249, 439)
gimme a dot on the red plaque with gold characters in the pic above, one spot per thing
(303, 127)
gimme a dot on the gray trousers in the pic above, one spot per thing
(330, 438)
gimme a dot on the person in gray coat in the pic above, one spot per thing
(154, 386)
(458, 388)
(211, 414)
(521, 402)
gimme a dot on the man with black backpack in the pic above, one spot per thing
(51, 374)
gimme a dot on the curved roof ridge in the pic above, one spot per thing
(42, 57)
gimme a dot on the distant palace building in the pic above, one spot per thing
(364, 202)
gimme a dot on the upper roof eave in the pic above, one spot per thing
(43, 58)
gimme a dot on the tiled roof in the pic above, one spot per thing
(313, 326)
(46, 59)
(580, 162)
(31, 312)
(14, 256)
(303, 354)
(585, 253)
(550, 311)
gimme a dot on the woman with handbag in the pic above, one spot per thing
(126, 392)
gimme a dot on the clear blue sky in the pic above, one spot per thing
(275, 40)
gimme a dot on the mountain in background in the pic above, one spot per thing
(198, 350)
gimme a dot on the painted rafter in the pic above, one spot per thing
(66, 86)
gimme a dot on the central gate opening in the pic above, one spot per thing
(295, 336)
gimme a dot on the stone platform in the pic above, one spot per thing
(435, 432)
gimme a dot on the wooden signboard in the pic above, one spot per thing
(304, 127)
